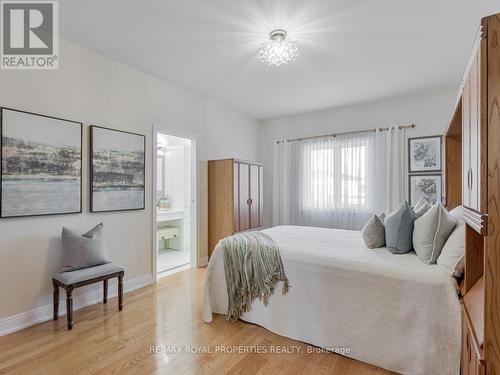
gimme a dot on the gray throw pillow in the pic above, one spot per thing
(431, 232)
(82, 251)
(374, 233)
(399, 229)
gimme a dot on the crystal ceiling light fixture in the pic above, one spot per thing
(279, 49)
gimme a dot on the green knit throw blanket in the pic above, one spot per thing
(253, 266)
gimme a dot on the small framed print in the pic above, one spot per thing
(117, 170)
(424, 154)
(426, 186)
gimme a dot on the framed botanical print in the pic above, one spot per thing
(117, 170)
(426, 186)
(424, 154)
(41, 164)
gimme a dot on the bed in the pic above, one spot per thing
(392, 311)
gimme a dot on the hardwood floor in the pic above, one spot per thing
(162, 317)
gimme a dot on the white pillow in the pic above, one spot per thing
(458, 212)
(422, 209)
(431, 231)
(452, 258)
(421, 202)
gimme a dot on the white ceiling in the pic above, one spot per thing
(350, 51)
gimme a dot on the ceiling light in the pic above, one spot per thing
(279, 49)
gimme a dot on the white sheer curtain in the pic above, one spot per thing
(337, 182)
(390, 169)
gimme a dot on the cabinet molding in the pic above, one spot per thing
(476, 220)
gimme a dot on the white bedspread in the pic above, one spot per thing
(392, 311)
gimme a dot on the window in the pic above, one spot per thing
(338, 181)
(335, 174)
(322, 181)
(354, 176)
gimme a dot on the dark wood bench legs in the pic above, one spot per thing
(69, 294)
(105, 291)
(69, 306)
(56, 301)
(120, 292)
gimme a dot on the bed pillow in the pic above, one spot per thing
(452, 256)
(399, 229)
(431, 232)
(374, 233)
(458, 213)
(83, 250)
(422, 209)
(421, 202)
(382, 217)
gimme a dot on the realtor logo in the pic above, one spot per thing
(29, 35)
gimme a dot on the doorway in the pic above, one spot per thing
(175, 214)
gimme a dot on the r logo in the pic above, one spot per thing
(29, 34)
(27, 28)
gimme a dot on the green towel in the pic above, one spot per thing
(253, 266)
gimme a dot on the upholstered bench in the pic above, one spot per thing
(86, 276)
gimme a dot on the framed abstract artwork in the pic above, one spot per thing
(426, 186)
(41, 164)
(424, 154)
(117, 170)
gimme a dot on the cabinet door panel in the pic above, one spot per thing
(261, 195)
(244, 197)
(236, 196)
(474, 136)
(482, 123)
(466, 144)
(464, 358)
(254, 196)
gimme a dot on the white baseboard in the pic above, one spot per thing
(80, 300)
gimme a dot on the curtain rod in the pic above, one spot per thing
(350, 132)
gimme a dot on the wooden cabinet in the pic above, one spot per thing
(453, 159)
(235, 198)
(474, 136)
(479, 100)
(492, 240)
(471, 362)
(472, 357)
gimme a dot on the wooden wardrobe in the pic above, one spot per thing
(473, 138)
(235, 198)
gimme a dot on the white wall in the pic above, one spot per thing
(430, 111)
(95, 90)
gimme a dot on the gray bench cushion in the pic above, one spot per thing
(85, 274)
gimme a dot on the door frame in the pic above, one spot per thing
(156, 129)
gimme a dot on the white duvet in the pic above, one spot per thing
(392, 311)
